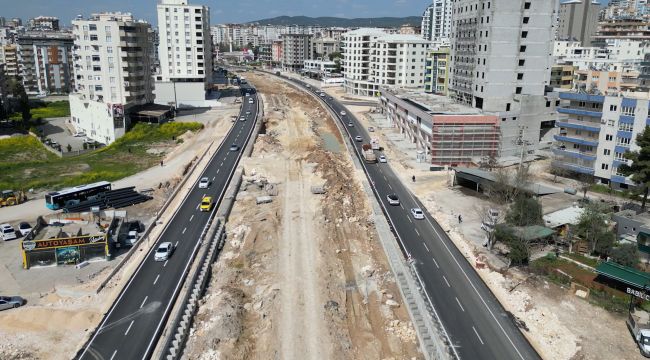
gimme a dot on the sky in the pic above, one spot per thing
(221, 11)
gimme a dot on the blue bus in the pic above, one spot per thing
(67, 197)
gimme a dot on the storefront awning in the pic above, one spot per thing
(624, 274)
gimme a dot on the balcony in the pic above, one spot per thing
(587, 156)
(579, 125)
(563, 110)
(573, 167)
(621, 180)
(573, 140)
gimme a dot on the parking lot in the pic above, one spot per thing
(60, 131)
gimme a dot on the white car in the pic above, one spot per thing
(132, 238)
(204, 183)
(371, 129)
(243, 118)
(248, 113)
(350, 124)
(79, 134)
(343, 113)
(24, 228)
(358, 138)
(164, 251)
(393, 199)
(417, 213)
(382, 159)
(322, 94)
(250, 101)
(7, 232)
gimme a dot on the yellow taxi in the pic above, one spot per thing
(206, 203)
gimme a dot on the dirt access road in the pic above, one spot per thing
(303, 277)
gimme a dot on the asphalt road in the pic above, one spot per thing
(132, 326)
(473, 319)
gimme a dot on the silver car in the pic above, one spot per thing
(11, 302)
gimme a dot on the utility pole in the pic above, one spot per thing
(519, 141)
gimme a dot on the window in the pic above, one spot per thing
(622, 141)
(524, 34)
(93, 37)
(520, 76)
(526, 18)
(107, 29)
(508, 107)
(92, 27)
(527, 5)
(522, 62)
(518, 90)
(625, 127)
(607, 152)
(627, 110)
(522, 48)
(548, 104)
(609, 137)
(613, 107)
(604, 166)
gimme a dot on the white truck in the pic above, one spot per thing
(639, 324)
(369, 154)
(374, 142)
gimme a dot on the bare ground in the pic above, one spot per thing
(304, 276)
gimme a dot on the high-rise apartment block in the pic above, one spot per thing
(500, 63)
(578, 20)
(296, 48)
(436, 21)
(44, 23)
(373, 59)
(185, 53)
(185, 46)
(45, 62)
(9, 57)
(113, 57)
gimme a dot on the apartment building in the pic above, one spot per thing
(436, 75)
(4, 90)
(590, 80)
(112, 65)
(296, 48)
(45, 63)
(595, 133)
(264, 53)
(578, 20)
(562, 77)
(500, 64)
(319, 67)
(436, 21)
(9, 57)
(277, 52)
(323, 47)
(444, 132)
(44, 23)
(185, 51)
(623, 29)
(372, 59)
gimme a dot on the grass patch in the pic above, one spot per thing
(48, 110)
(599, 294)
(582, 259)
(26, 164)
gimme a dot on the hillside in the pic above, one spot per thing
(341, 22)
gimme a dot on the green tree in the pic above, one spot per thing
(519, 251)
(626, 255)
(592, 226)
(335, 55)
(640, 167)
(525, 211)
(23, 103)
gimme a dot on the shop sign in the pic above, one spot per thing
(639, 294)
(29, 245)
(55, 243)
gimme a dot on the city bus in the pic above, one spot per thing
(60, 199)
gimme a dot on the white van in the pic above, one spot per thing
(7, 232)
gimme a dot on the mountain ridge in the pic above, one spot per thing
(332, 21)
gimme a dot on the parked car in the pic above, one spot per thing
(7, 232)
(24, 228)
(234, 147)
(79, 134)
(371, 129)
(206, 203)
(382, 159)
(393, 199)
(204, 183)
(417, 213)
(11, 302)
(350, 124)
(358, 138)
(132, 238)
(163, 252)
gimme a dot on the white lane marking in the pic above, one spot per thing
(197, 206)
(478, 336)
(203, 195)
(165, 264)
(155, 281)
(218, 170)
(225, 157)
(214, 177)
(129, 328)
(184, 230)
(435, 262)
(191, 217)
(113, 356)
(221, 164)
(402, 206)
(176, 245)
(425, 246)
(144, 301)
(385, 178)
(461, 306)
(446, 281)
(390, 187)
(410, 219)
(417, 232)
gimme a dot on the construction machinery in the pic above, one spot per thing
(10, 198)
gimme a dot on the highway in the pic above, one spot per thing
(473, 319)
(132, 326)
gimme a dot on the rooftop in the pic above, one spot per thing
(565, 216)
(61, 229)
(432, 104)
(632, 215)
(411, 38)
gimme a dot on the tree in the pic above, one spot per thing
(519, 251)
(23, 103)
(525, 211)
(585, 182)
(640, 167)
(335, 55)
(488, 163)
(592, 227)
(625, 254)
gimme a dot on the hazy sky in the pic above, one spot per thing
(222, 11)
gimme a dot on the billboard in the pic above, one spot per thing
(64, 242)
(68, 255)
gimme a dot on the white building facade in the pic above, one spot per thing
(372, 58)
(112, 65)
(436, 21)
